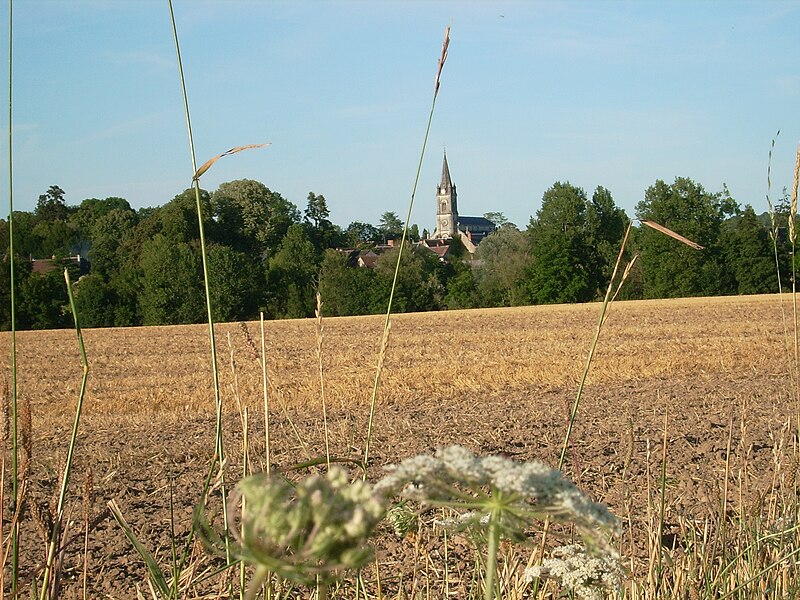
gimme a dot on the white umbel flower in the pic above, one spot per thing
(523, 491)
(587, 575)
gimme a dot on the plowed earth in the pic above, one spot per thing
(713, 371)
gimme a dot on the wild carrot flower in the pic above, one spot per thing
(313, 528)
(524, 492)
(496, 497)
(587, 575)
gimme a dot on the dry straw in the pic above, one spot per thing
(672, 234)
(319, 330)
(210, 162)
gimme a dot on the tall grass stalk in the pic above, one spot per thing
(318, 314)
(574, 410)
(773, 234)
(592, 348)
(266, 395)
(220, 450)
(602, 318)
(55, 533)
(662, 508)
(793, 242)
(793, 237)
(245, 473)
(15, 484)
(386, 322)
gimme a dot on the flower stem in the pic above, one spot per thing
(493, 542)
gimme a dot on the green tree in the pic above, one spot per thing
(749, 254)
(562, 270)
(390, 226)
(108, 232)
(26, 243)
(234, 282)
(317, 213)
(360, 235)
(43, 302)
(290, 280)
(52, 206)
(92, 209)
(345, 289)
(254, 217)
(502, 261)
(54, 238)
(322, 232)
(461, 290)
(22, 270)
(419, 286)
(671, 269)
(177, 219)
(94, 301)
(605, 228)
(171, 288)
(498, 218)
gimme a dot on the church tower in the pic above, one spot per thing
(446, 205)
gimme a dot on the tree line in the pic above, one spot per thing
(263, 254)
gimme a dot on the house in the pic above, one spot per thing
(45, 265)
(363, 259)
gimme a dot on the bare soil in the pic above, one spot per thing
(712, 372)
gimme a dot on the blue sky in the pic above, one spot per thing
(616, 94)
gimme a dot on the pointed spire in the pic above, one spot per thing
(446, 181)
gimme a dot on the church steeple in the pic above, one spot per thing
(446, 205)
(446, 183)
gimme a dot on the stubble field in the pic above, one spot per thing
(497, 381)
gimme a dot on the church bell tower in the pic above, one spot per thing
(446, 205)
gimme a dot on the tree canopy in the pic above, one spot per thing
(144, 266)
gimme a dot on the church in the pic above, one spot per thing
(451, 225)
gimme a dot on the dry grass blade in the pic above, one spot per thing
(622, 280)
(769, 181)
(793, 210)
(209, 163)
(320, 328)
(672, 234)
(443, 58)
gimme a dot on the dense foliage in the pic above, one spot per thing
(143, 267)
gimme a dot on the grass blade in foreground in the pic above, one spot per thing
(55, 534)
(387, 323)
(15, 483)
(157, 578)
(601, 320)
(219, 453)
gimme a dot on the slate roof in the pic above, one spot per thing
(475, 222)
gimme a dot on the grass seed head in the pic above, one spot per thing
(26, 429)
(793, 208)
(6, 404)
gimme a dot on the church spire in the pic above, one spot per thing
(446, 205)
(446, 183)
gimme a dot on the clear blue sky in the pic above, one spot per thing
(616, 94)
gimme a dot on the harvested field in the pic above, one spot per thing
(497, 381)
